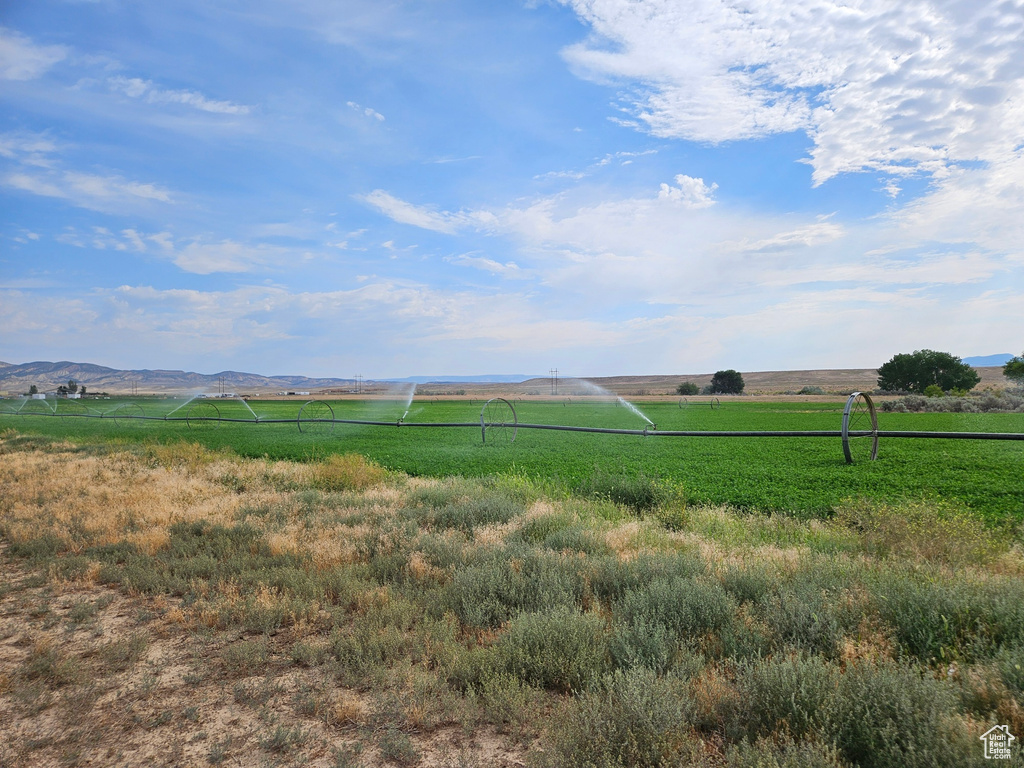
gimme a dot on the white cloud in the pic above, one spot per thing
(691, 192)
(22, 59)
(137, 88)
(366, 111)
(508, 270)
(916, 87)
(423, 217)
(103, 193)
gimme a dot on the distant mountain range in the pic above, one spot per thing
(47, 376)
(988, 360)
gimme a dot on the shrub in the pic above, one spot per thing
(811, 391)
(892, 716)
(481, 510)
(638, 492)
(804, 617)
(687, 388)
(687, 608)
(788, 695)
(933, 390)
(558, 649)
(633, 718)
(510, 581)
(611, 578)
(766, 753)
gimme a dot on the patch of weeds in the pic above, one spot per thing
(120, 655)
(39, 549)
(219, 751)
(922, 530)
(256, 694)
(285, 739)
(348, 756)
(49, 665)
(611, 578)
(344, 472)
(307, 654)
(81, 612)
(247, 656)
(507, 701)
(638, 492)
(397, 747)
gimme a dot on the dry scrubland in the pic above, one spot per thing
(166, 605)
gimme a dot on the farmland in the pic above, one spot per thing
(801, 476)
(248, 594)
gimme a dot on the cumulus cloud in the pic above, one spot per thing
(137, 88)
(691, 192)
(917, 87)
(22, 59)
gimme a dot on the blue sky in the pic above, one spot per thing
(605, 187)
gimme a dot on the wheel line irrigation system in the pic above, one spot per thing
(499, 423)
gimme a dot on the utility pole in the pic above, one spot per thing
(359, 383)
(554, 381)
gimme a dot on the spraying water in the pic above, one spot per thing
(591, 388)
(408, 399)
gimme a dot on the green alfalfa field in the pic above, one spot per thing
(246, 594)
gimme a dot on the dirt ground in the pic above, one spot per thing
(92, 676)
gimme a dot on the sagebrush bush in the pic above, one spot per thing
(509, 581)
(784, 753)
(559, 649)
(788, 695)
(687, 608)
(894, 716)
(805, 618)
(611, 577)
(633, 718)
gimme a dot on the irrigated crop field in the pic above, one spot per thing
(248, 594)
(802, 476)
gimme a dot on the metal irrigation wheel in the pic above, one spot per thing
(316, 417)
(202, 414)
(498, 420)
(715, 403)
(128, 415)
(682, 402)
(860, 429)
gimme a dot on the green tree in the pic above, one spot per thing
(72, 386)
(728, 382)
(33, 390)
(1014, 370)
(687, 388)
(915, 372)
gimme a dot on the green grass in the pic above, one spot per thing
(801, 476)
